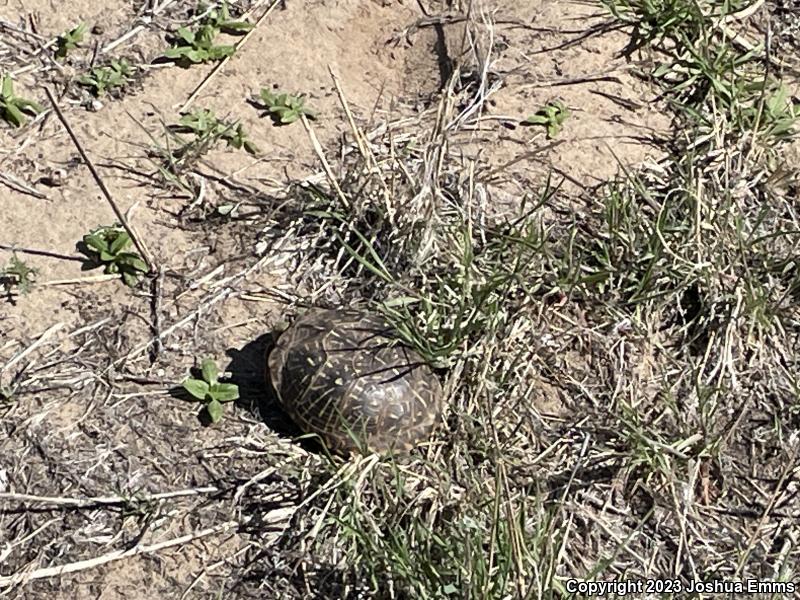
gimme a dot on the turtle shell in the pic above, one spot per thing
(341, 375)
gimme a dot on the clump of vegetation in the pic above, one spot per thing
(207, 129)
(103, 79)
(210, 391)
(177, 153)
(552, 116)
(714, 87)
(108, 247)
(69, 41)
(12, 107)
(775, 114)
(197, 46)
(463, 292)
(284, 108)
(17, 275)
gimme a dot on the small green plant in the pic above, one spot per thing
(6, 393)
(552, 116)
(206, 127)
(69, 41)
(107, 246)
(12, 107)
(198, 46)
(210, 391)
(102, 79)
(18, 275)
(221, 19)
(284, 108)
(778, 115)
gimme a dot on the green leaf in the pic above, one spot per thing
(235, 27)
(782, 127)
(267, 96)
(250, 147)
(219, 52)
(210, 371)
(20, 273)
(95, 241)
(215, 411)
(537, 120)
(8, 88)
(137, 263)
(70, 40)
(186, 35)
(224, 392)
(28, 105)
(289, 116)
(197, 56)
(14, 115)
(130, 278)
(177, 52)
(204, 38)
(196, 388)
(118, 244)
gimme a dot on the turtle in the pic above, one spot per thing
(343, 375)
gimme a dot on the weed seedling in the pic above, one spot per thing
(18, 275)
(284, 108)
(778, 115)
(552, 116)
(198, 46)
(102, 79)
(207, 128)
(221, 19)
(209, 391)
(107, 245)
(12, 107)
(69, 41)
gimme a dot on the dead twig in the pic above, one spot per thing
(136, 30)
(47, 253)
(226, 291)
(21, 186)
(136, 242)
(218, 67)
(42, 339)
(82, 565)
(325, 164)
(79, 280)
(104, 500)
(158, 291)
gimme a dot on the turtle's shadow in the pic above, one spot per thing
(248, 368)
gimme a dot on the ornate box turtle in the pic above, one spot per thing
(340, 374)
